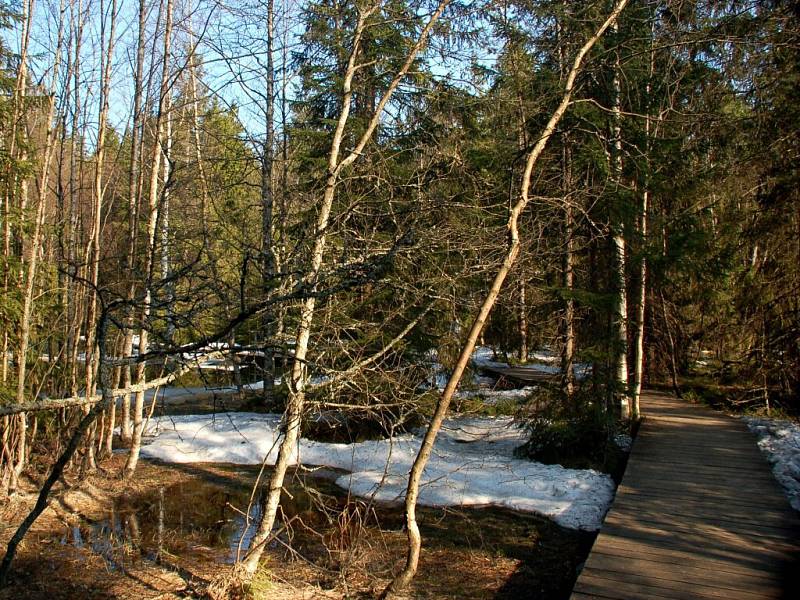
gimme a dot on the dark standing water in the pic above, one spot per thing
(199, 519)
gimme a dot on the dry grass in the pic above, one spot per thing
(468, 554)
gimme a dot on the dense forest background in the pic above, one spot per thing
(324, 188)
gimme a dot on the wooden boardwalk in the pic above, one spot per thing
(525, 375)
(698, 515)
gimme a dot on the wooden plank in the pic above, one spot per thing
(733, 563)
(687, 573)
(651, 586)
(698, 515)
(690, 536)
(745, 499)
(651, 473)
(763, 523)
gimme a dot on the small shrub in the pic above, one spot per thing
(565, 439)
(576, 434)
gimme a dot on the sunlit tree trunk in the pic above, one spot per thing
(20, 92)
(32, 249)
(268, 260)
(107, 54)
(523, 320)
(641, 301)
(75, 290)
(134, 175)
(568, 260)
(415, 476)
(13, 428)
(164, 216)
(152, 222)
(568, 276)
(618, 246)
(297, 383)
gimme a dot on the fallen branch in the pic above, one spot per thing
(53, 403)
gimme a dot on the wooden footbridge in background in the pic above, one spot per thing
(523, 374)
(698, 515)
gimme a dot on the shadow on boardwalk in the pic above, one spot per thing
(698, 515)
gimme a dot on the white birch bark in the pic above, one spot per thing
(512, 251)
(297, 382)
(618, 244)
(152, 221)
(31, 257)
(134, 175)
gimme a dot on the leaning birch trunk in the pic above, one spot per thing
(620, 315)
(134, 175)
(29, 279)
(296, 400)
(152, 222)
(415, 476)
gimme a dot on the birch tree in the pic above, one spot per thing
(619, 342)
(150, 249)
(134, 187)
(402, 580)
(32, 249)
(268, 257)
(107, 54)
(336, 165)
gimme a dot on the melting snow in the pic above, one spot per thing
(546, 362)
(472, 463)
(780, 441)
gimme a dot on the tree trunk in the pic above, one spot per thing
(134, 175)
(107, 53)
(620, 316)
(643, 208)
(164, 215)
(31, 257)
(523, 322)
(152, 221)
(268, 265)
(568, 261)
(640, 312)
(415, 476)
(297, 383)
(568, 277)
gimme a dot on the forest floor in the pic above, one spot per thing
(174, 528)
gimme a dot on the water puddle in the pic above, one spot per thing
(200, 520)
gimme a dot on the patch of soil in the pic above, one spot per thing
(175, 528)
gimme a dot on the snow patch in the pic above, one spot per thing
(780, 441)
(472, 463)
(492, 397)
